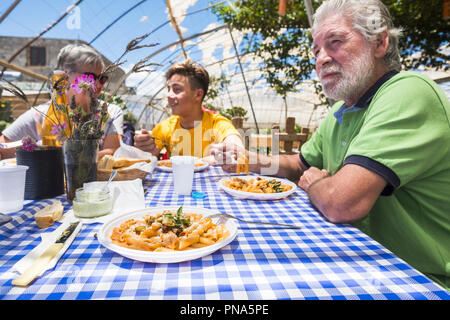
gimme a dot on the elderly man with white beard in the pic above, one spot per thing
(380, 160)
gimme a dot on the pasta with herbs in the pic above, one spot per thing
(169, 231)
(257, 185)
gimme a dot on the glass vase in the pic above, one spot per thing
(80, 164)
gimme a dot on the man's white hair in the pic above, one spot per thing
(72, 56)
(370, 18)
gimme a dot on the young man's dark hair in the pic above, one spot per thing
(197, 75)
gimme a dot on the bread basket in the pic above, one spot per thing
(109, 163)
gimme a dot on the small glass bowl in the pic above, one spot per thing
(92, 203)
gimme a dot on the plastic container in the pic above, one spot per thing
(183, 174)
(92, 203)
(12, 188)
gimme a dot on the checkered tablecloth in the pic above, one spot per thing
(319, 261)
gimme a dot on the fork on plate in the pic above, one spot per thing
(226, 215)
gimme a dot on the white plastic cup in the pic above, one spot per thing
(183, 174)
(12, 188)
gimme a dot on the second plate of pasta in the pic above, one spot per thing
(166, 165)
(136, 235)
(257, 187)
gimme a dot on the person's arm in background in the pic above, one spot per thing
(113, 131)
(25, 125)
(110, 145)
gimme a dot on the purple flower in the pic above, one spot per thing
(29, 144)
(58, 129)
(85, 82)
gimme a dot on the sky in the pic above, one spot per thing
(87, 22)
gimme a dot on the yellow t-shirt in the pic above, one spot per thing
(213, 128)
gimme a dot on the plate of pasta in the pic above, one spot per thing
(166, 165)
(168, 234)
(8, 162)
(257, 187)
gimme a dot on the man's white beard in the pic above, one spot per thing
(354, 82)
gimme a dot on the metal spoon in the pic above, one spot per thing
(111, 177)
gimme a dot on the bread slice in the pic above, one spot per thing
(47, 216)
(106, 162)
(121, 162)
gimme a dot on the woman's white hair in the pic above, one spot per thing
(370, 18)
(72, 56)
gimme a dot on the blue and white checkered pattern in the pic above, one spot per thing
(319, 261)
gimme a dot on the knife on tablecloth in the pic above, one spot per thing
(41, 263)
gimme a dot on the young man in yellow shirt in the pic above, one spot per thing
(191, 128)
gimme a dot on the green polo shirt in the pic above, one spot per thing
(400, 130)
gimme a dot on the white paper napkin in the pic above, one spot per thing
(126, 150)
(129, 151)
(47, 240)
(128, 196)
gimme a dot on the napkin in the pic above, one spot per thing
(48, 239)
(126, 150)
(129, 151)
(128, 196)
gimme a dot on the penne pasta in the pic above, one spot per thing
(168, 231)
(206, 241)
(256, 186)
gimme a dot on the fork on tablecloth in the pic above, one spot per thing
(226, 215)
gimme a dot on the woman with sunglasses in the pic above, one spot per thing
(76, 60)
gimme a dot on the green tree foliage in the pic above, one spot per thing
(284, 42)
(128, 115)
(217, 87)
(234, 112)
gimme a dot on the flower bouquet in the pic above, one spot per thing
(79, 129)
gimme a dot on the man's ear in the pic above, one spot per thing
(199, 93)
(382, 44)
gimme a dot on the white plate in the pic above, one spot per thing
(8, 162)
(169, 169)
(258, 196)
(164, 257)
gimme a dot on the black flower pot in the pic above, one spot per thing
(45, 176)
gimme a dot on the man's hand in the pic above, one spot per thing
(143, 140)
(226, 155)
(311, 176)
